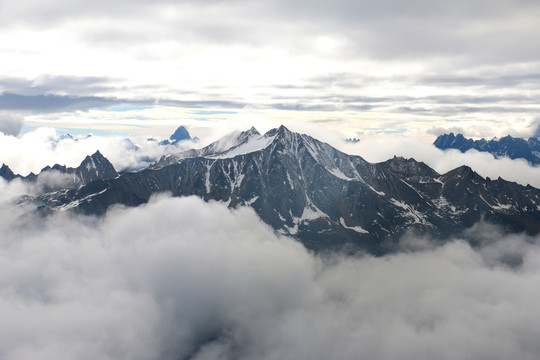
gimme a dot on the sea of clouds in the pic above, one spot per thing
(179, 278)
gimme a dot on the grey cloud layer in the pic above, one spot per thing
(447, 106)
(179, 278)
(56, 84)
(491, 31)
(52, 103)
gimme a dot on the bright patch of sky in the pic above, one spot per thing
(209, 112)
(124, 108)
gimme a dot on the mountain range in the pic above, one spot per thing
(508, 146)
(307, 189)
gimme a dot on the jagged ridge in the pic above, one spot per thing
(508, 146)
(326, 198)
(93, 167)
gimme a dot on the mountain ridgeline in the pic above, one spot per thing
(508, 146)
(325, 198)
(93, 167)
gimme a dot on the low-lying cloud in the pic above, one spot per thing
(380, 149)
(32, 151)
(179, 278)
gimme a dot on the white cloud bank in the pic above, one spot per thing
(32, 151)
(179, 278)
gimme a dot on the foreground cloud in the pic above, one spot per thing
(180, 278)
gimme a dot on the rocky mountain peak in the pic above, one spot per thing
(95, 166)
(252, 131)
(410, 167)
(283, 132)
(6, 173)
(180, 134)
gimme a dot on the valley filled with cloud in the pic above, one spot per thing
(179, 278)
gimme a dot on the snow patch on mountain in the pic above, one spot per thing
(207, 179)
(380, 193)
(358, 229)
(253, 143)
(76, 203)
(339, 174)
(251, 201)
(310, 213)
(501, 207)
(416, 216)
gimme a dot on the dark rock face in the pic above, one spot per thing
(6, 173)
(325, 198)
(508, 146)
(95, 167)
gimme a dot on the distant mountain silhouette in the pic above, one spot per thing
(508, 146)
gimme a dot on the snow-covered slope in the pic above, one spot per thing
(234, 140)
(253, 143)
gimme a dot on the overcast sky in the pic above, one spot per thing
(360, 67)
